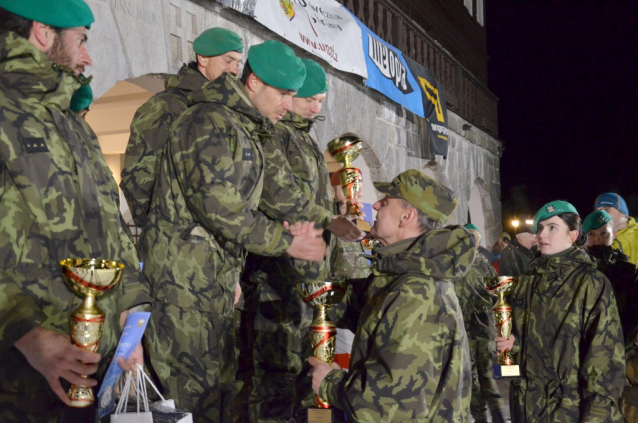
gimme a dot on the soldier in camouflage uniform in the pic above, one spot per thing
(410, 359)
(58, 200)
(298, 189)
(478, 316)
(204, 217)
(217, 50)
(566, 333)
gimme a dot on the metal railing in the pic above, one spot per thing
(465, 94)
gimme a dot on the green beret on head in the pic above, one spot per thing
(552, 209)
(596, 220)
(82, 98)
(475, 231)
(217, 41)
(315, 82)
(424, 193)
(55, 13)
(276, 64)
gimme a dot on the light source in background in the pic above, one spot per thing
(515, 224)
(529, 221)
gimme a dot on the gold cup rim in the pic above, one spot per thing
(78, 284)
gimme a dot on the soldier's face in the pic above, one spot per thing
(308, 107)
(213, 67)
(602, 236)
(554, 236)
(387, 226)
(69, 50)
(271, 102)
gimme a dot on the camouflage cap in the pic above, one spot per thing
(82, 98)
(315, 82)
(552, 209)
(56, 13)
(595, 220)
(424, 193)
(276, 64)
(217, 41)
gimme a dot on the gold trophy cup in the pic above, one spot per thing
(500, 287)
(345, 149)
(323, 333)
(88, 278)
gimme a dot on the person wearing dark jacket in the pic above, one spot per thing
(599, 227)
(517, 254)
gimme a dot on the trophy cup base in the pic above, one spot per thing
(506, 371)
(81, 396)
(325, 415)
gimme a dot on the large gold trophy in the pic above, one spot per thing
(89, 278)
(345, 149)
(323, 333)
(500, 287)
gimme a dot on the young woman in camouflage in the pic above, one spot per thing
(567, 336)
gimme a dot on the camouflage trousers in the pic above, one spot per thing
(485, 393)
(282, 390)
(629, 399)
(193, 354)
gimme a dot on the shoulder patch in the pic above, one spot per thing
(248, 154)
(34, 145)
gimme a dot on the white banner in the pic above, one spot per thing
(322, 27)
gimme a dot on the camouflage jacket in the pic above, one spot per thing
(204, 213)
(410, 359)
(570, 346)
(58, 200)
(297, 188)
(149, 135)
(476, 301)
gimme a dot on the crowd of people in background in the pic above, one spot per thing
(237, 207)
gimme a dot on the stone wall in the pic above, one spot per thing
(133, 38)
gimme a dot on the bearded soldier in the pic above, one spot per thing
(58, 200)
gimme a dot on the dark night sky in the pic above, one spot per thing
(566, 73)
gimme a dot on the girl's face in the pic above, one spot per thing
(554, 236)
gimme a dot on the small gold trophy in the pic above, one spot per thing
(88, 278)
(345, 149)
(500, 287)
(323, 333)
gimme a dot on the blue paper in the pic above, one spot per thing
(131, 336)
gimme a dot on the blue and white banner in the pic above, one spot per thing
(388, 72)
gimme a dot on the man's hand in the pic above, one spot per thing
(307, 243)
(137, 357)
(319, 372)
(52, 354)
(503, 344)
(345, 229)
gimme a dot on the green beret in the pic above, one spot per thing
(217, 41)
(424, 193)
(315, 82)
(82, 98)
(276, 64)
(596, 220)
(55, 13)
(552, 209)
(472, 227)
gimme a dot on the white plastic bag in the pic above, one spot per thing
(120, 415)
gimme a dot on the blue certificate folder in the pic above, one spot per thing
(131, 336)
